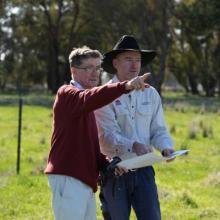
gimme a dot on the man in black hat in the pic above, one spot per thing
(132, 124)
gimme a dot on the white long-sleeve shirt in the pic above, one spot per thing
(134, 117)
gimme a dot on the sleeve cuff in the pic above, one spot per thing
(126, 147)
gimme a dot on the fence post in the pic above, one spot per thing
(19, 134)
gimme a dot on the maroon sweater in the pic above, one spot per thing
(75, 148)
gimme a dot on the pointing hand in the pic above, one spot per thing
(138, 83)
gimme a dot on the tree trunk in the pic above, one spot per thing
(53, 77)
(192, 83)
(165, 44)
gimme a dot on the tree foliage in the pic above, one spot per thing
(37, 35)
(198, 45)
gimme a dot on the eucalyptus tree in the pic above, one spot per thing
(41, 32)
(6, 42)
(198, 24)
(148, 20)
(155, 30)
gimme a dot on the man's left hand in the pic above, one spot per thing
(167, 152)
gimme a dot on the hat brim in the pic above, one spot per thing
(146, 57)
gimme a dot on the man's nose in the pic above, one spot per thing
(134, 63)
(95, 72)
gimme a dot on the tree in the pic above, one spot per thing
(41, 34)
(198, 25)
(152, 28)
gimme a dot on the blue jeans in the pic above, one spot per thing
(135, 189)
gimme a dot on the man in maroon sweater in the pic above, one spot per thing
(75, 160)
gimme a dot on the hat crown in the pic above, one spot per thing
(126, 43)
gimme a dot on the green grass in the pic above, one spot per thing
(189, 187)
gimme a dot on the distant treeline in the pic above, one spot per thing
(36, 37)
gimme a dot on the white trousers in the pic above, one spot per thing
(71, 199)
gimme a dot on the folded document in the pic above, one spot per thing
(148, 159)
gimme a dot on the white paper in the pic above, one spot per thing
(148, 159)
(177, 153)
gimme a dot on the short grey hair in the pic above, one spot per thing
(78, 54)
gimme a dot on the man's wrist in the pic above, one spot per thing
(128, 86)
(134, 146)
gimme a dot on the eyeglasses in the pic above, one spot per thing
(90, 69)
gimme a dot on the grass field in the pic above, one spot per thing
(189, 187)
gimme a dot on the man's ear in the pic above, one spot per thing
(114, 63)
(72, 71)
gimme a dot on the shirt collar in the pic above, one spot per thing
(115, 79)
(76, 84)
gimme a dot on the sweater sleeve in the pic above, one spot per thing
(103, 162)
(160, 137)
(85, 101)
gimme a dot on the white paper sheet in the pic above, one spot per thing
(177, 153)
(148, 159)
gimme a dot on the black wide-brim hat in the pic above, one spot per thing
(126, 43)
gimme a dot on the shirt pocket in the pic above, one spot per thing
(144, 110)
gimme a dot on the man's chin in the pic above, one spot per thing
(93, 84)
(131, 76)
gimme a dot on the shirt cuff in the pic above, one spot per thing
(123, 148)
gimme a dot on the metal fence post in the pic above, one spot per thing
(19, 134)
